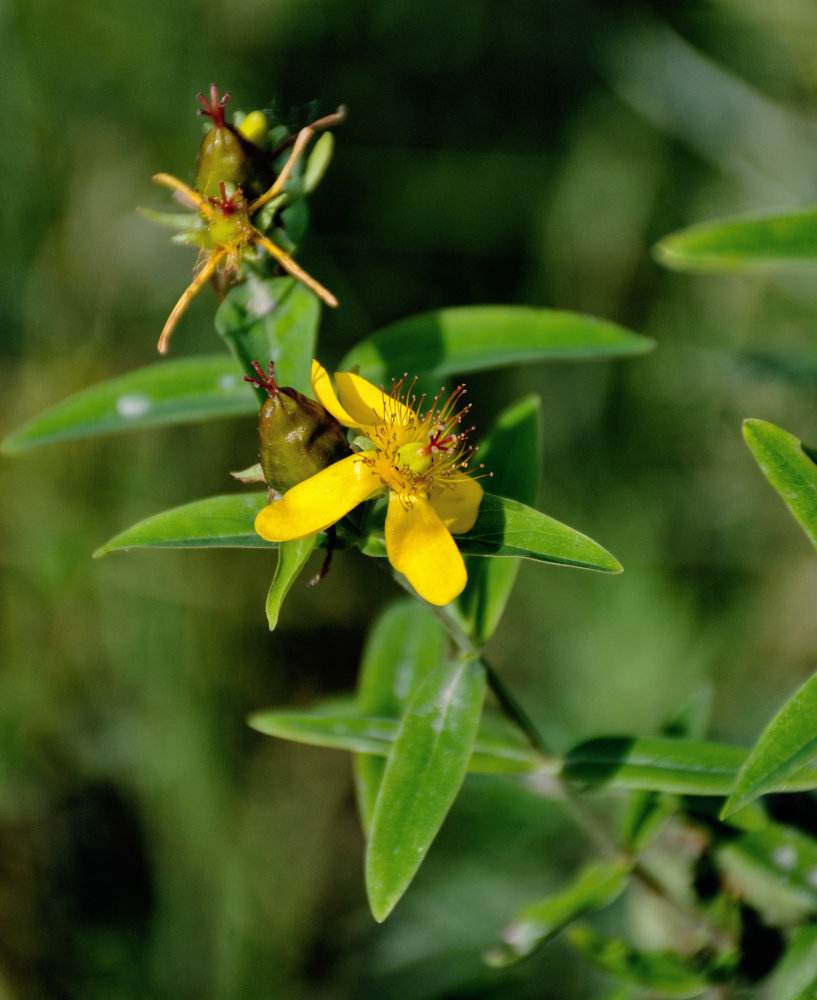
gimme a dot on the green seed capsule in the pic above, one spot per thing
(228, 156)
(298, 436)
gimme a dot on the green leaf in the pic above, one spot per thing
(275, 319)
(739, 243)
(646, 815)
(221, 521)
(507, 528)
(596, 886)
(339, 725)
(795, 976)
(683, 767)
(774, 870)
(405, 644)
(474, 338)
(318, 161)
(292, 557)
(665, 972)
(785, 461)
(512, 454)
(423, 774)
(788, 742)
(169, 392)
(335, 724)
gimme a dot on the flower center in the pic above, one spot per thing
(417, 452)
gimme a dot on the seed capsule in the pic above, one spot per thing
(227, 155)
(298, 436)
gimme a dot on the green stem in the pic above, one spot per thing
(507, 701)
(575, 808)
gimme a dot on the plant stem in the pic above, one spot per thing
(506, 699)
(574, 807)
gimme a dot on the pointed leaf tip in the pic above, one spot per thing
(787, 743)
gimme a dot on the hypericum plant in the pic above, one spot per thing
(379, 461)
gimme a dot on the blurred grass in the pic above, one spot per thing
(152, 846)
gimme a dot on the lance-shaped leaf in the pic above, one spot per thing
(292, 557)
(507, 528)
(787, 463)
(788, 742)
(666, 973)
(275, 319)
(217, 522)
(405, 644)
(740, 243)
(339, 725)
(596, 886)
(774, 870)
(795, 976)
(512, 453)
(169, 392)
(683, 767)
(423, 774)
(474, 338)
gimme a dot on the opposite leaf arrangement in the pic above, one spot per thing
(380, 461)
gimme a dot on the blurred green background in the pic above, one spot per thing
(495, 151)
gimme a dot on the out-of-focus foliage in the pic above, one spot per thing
(521, 152)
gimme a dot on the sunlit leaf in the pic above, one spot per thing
(786, 462)
(594, 887)
(736, 244)
(512, 453)
(425, 769)
(274, 319)
(404, 645)
(667, 973)
(507, 528)
(683, 767)
(292, 557)
(221, 521)
(169, 392)
(788, 742)
(474, 338)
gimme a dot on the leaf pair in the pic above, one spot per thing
(276, 320)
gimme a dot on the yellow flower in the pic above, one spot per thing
(417, 457)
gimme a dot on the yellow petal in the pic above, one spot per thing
(325, 395)
(318, 501)
(457, 503)
(420, 547)
(369, 405)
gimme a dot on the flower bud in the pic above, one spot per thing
(226, 155)
(298, 436)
